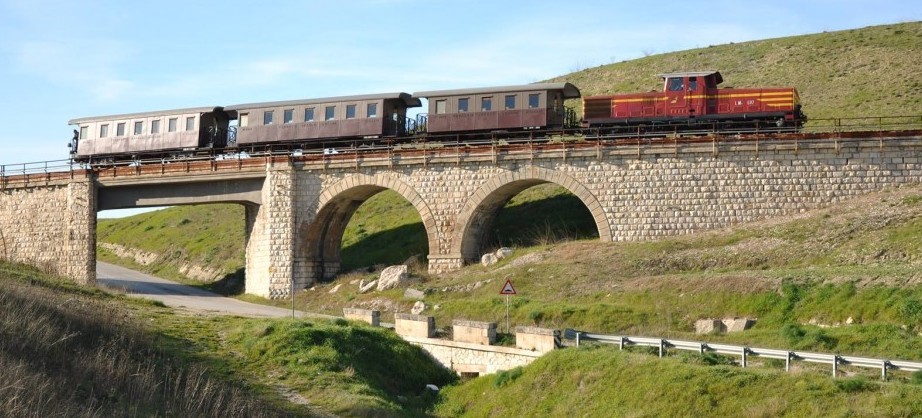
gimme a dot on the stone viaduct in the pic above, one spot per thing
(297, 208)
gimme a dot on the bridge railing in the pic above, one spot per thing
(746, 352)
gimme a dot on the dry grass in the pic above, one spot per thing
(81, 354)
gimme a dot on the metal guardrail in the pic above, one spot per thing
(745, 352)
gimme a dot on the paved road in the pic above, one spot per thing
(173, 294)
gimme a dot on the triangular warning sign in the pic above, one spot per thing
(507, 288)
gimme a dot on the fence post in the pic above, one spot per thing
(787, 361)
(883, 370)
(662, 347)
(577, 339)
(621, 343)
(743, 363)
(835, 365)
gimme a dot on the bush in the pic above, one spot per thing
(507, 376)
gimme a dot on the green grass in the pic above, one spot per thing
(602, 382)
(346, 368)
(212, 236)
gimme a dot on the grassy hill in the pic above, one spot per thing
(70, 351)
(603, 382)
(871, 71)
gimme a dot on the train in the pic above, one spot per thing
(689, 102)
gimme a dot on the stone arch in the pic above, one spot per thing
(320, 240)
(481, 207)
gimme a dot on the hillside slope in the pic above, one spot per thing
(603, 382)
(871, 71)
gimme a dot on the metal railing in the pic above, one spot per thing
(745, 352)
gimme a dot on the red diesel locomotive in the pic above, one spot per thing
(691, 99)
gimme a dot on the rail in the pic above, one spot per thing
(745, 352)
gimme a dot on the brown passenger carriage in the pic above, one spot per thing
(530, 106)
(306, 121)
(160, 133)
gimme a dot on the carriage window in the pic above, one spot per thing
(104, 130)
(267, 117)
(309, 114)
(83, 131)
(372, 110)
(244, 120)
(693, 83)
(486, 104)
(289, 115)
(439, 107)
(533, 100)
(120, 129)
(330, 113)
(138, 128)
(510, 102)
(190, 123)
(350, 111)
(462, 104)
(155, 126)
(172, 124)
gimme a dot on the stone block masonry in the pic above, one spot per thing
(51, 225)
(632, 193)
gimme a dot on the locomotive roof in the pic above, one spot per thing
(719, 80)
(144, 114)
(406, 97)
(569, 91)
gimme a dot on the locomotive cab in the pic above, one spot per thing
(691, 94)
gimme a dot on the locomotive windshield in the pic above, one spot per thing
(675, 84)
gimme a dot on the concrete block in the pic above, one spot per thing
(474, 332)
(536, 339)
(414, 325)
(738, 324)
(364, 315)
(708, 326)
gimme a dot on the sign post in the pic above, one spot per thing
(507, 290)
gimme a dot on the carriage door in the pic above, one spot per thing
(695, 97)
(675, 97)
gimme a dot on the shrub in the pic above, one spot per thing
(507, 376)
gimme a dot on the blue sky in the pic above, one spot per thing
(61, 60)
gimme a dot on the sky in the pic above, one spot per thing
(61, 59)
